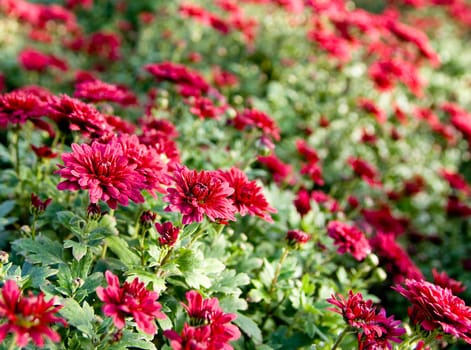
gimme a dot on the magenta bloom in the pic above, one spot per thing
(132, 299)
(374, 329)
(364, 169)
(349, 239)
(247, 197)
(168, 233)
(27, 317)
(210, 326)
(249, 118)
(199, 193)
(297, 237)
(443, 280)
(96, 90)
(19, 106)
(436, 307)
(103, 170)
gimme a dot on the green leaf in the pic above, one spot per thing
(78, 249)
(120, 247)
(249, 327)
(40, 251)
(80, 317)
(134, 340)
(6, 207)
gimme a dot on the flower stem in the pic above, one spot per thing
(278, 270)
(33, 226)
(340, 338)
(13, 343)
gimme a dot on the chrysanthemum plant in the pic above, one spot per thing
(234, 175)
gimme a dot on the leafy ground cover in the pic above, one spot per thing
(235, 174)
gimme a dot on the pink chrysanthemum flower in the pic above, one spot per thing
(27, 317)
(254, 118)
(72, 114)
(349, 239)
(247, 197)
(375, 331)
(199, 193)
(443, 280)
(97, 91)
(297, 237)
(132, 299)
(17, 107)
(367, 172)
(434, 307)
(206, 317)
(105, 171)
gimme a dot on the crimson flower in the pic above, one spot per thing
(103, 170)
(364, 169)
(254, 118)
(199, 193)
(434, 307)
(443, 280)
(247, 197)
(17, 107)
(282, 172)
(132, 299)
(209, 328)
(349, 238)
(96, 90)
(27, 317)
(297, 237)
(374, 329)
(168, 233)
(302, 202)
(39, 206)
(456, 181)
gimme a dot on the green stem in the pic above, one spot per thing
(340, 338)
(278, 270)
(33, 226)
(16, 133)
(201, 231)
(13, 343)
(164, 261)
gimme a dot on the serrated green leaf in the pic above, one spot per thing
(120, 247)
(40, 251)
(80, 317)
(6, 207)
(78, 249)
(249, 327)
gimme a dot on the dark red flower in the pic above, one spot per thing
(73, 114)
(302, 202)
(383, 220)
(456, 208)
(204, 107)
(17, 107)
(434, 307)
(27, 317)
(43, 152)
(199, 193)
(105, 171)
(104, 45)
(365, 170)
(443, 280)
(31, 59)
(254, 118)
(391, 331)
(456, 181)
(281, 172)
(98, 91)
(224, 78)
(168, 233)
(39, 206)
(297, 237)
(192, 338)
(132, 299)
(247, 197)
(394, 258)
(349, 239)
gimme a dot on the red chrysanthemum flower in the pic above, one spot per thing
(302, 202)
(247, 197)
(168, 233)
(297, 237)
(394, 258)
(199, 193)
(192, 338)
(72, 114)
(98, 91)
(19, 106)
(282, 172)
(456, 181)
(365, 170)
(383, 220)
(434, 307)
(375, 331)
(255, 118)
(27, 317)
(132, 299)
(105, 171)
(349, 239)
(443, 280)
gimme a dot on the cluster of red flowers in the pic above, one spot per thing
(131, 299)
(216, 194)
(209, 327)
(27, 317)
(374, 329)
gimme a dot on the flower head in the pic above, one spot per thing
(434, 307)
(247, 197)
(103, 170)
(443, 280)
(258, 119)
(297, 237)
(97, 90)
(132, 299)
(27, 317)
(168, 233)
(198, 193)
(349, 238)
(17, 107)
(367, 172)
